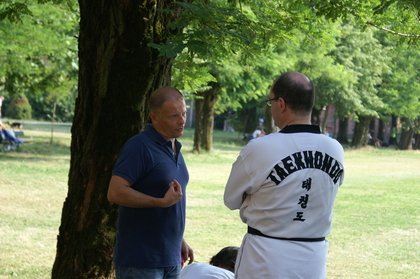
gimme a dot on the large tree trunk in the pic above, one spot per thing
(381, 131)
(406, 137)
(248, 119)
(342, 136)
(361, 131)
(210, 99)
(204, 118)
(117, 73)
(393, 139)
(198, 123)
(416, 145)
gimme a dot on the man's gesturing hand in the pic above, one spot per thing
(173, 195)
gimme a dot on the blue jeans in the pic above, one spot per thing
(171, 272)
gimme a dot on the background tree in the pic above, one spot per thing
(401, 92)
(233, 40)
(362, 55)
(38, 56)
(120, 65)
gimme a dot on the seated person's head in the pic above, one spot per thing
(226, 258)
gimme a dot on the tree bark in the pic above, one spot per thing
(381, 131)
(210, 99)
(325, 119)
(204, 118)
(198, 122)
(118, 70)
(269, 125)
(342, 131)
(393, 139)
(416, 145)
(405, 141)
(361, 131)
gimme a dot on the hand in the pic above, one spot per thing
(186, 253)
(173, 194)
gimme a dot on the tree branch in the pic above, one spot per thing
(394, 32)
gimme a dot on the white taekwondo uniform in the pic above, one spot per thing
(285, 185)
(205, 271)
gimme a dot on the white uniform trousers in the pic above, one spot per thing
(266, 258)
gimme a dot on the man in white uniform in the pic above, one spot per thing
(285, 185)
(221, 266)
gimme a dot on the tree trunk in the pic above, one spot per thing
(381, 131)
(204, 118)
(393, 139)
(325, 119)
(210, 99)
(406, 139)
(372, 128)
(361, 131)
(416, 145)
(269, 125)
(342, 131)
(198, 123)
(316, 117)
(248, 117)
(117, 73)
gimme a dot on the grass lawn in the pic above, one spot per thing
(376, 229)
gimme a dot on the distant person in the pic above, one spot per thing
(258, 132)
(149, 183)
(285, 185)
(327, 132)
(8, 134)
(222, 266)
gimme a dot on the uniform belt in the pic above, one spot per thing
(257, 232)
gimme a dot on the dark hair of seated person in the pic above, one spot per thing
(226, 258)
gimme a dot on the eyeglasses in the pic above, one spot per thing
(269, 101)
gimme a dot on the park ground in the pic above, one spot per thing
(376, 218)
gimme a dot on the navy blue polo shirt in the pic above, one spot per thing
(150, 237)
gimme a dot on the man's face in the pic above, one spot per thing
(170, 119)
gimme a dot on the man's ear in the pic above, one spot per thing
(282, 103)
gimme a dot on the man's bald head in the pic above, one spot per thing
(163, 94)
(297, 91)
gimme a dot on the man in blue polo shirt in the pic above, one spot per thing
(148, 183)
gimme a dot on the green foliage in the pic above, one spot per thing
(19, 108)
(401, 86)
(399, 17)
(38, 58)
(191, 74)
(234, 43)
(345, 60)
(13, 11)
(364, 60)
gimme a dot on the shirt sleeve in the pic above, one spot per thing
(132, 161)
(237, 185)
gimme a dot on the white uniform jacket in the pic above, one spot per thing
(285, 185)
